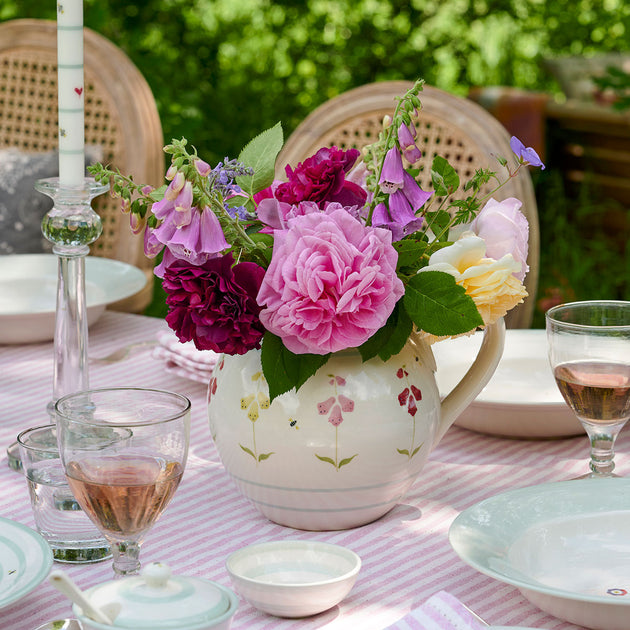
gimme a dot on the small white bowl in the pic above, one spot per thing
(293, 578)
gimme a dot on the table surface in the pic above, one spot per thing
(406, 554)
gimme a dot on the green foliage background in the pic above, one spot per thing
(222, 70)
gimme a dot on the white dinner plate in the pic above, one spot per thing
(25, 561)
(28, 292)
(565, 545)
(521, 400)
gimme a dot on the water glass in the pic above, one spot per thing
(58, 517)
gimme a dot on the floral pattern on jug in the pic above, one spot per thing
(409, 396)
(335, 406)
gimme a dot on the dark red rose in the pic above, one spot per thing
(322, 177)
(214, 304)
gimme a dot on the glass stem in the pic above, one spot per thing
(602, 441)
(126, 560)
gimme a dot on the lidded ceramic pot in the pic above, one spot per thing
(156, 600)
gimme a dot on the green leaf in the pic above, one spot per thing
(284, 370)
(328, 460)
(439, 222)
(415, 450)
(410, 253)
(444, 177)
(391, 338)
(345, 461)
(403, 451)
(439, 306)
(158, 193)
(260, 154)
(247, 451)
(264, 456)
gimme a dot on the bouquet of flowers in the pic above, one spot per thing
(349, 252)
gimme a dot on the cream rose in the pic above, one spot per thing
(490, 283)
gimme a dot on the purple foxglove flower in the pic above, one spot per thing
(200, 240)
(175, 186)
(184, 244)
(203, 168)
(392, 173)
(212, 237)
(527, 154)
(399, 219)
(407, 142)
(400, 209)
(146, 190)
(125, 206)
(171, 172)
(167, 260)
(163, 233)
(152, 246)
(381, 218)
(183, 205)
(136, 222)
(414, 194)
(161, 209)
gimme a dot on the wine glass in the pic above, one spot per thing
(124, 451)
(589, 352)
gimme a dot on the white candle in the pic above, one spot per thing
(71, 93)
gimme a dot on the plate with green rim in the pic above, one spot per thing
(563, 544)
(25, 561)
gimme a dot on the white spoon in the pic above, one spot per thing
(62, 624)
(65, 585)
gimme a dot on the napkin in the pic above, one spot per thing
(183, 359)
(441, 611)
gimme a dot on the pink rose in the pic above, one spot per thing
(505, 230)
(331, 283)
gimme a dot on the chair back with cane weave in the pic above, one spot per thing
(453, 127)
(121, 119)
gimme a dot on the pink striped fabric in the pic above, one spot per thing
(406, 554)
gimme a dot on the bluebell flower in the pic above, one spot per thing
(526, 154)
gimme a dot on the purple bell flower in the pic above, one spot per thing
(183, 205)
(407, 142)
(393, 172)
(414, 194)
(526, 154)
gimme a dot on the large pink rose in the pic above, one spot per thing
(505, 230)
(331, 283)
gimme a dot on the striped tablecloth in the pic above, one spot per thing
(406, 554)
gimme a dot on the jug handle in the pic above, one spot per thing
(475, 379)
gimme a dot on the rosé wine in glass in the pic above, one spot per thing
(589, 352)
(124, 452)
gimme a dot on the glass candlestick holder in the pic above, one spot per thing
(71, 226)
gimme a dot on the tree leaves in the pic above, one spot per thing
(439, 306)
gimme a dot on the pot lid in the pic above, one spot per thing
(157, 600)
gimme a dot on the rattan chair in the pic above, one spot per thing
(120, 117)
(451, 126)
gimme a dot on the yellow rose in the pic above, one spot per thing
(490, 283)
